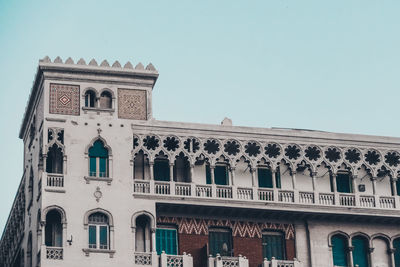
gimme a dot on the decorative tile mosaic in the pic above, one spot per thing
(64, 99)
(132, 104)
(199, 226)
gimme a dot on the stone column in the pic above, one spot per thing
(191, 172)
(273, 178)
(212, 174)
(153, 239)
(293, 174)
(253, 176)
(334, 188)
(394, 186)
(151, 170)
(350, 249)
(171, 171)
(134, 238)
(313, 174)
(373, 179)
(232, 169)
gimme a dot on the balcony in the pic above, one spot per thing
(54, 253)
(54, 182)
(148, 259)
(281, 263)
(222, 261)
(264, 195)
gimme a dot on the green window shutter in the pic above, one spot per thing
(208, 174)
(398, 187)
(360, 253)
(273, 246)
(166, 241)
(92, 236)
(339, 248)
(103, 167)
(396, 246)
(103, 237)
(264, 178)
(92, 166)
(343, 183)
(161, 170)
(220, 242)
(221, 175)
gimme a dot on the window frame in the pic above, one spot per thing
(225, 230)
(167, 228)
(283, 245)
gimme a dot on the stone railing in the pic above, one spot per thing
(281, 263)
(144, 259)
(184, 260)
(55, 180)
(222, 261)
(247, 194)
(54, 253)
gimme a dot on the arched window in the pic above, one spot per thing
(29, 250)
(54, 160)
(181, 169)
(90, 99)
(161, 168)
(98, 160)
(143, 234)
(396, 246)
(141, 166)
(99, 231)
(53, 229)
(339, 250)
(360, 251)
(105, 100)
(380, 255)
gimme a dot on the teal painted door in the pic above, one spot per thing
(221, 175)
(273, 245)
(396, 246)
(360, 251)
(264, 178)
(166, 241)
(343, 183)
(220, 242)
(339, 248)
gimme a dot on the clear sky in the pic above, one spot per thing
(324, 65)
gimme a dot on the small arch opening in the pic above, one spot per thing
(53, 229)
(105, 100)
(54, 160)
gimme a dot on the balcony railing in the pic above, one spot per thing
(222, 261)
(54, 253)
(281, 263)
(55, 180)
(265, 195)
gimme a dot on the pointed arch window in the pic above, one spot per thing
(98, 160)
(53, 229)
(396, 246)
(339, 250)
(360, 251)
(98, 231)
(54, 160)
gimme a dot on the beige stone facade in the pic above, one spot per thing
(103, 181)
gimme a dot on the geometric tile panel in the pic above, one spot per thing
(132, 104)
(198, 226)
(64, 99)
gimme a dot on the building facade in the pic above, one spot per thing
(105, 184)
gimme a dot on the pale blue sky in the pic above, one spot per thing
(325, 65)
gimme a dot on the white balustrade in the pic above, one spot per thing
(162, 188)
(54, 253)
(367, 201)
(326, 199)
(141, 187)
(387, 202)
(203, 190)
(265, 194)
(223, 261)
(285, 196)
(347, 200)
(306, 197)
(55, 180)
(224, 191)
(245, 193)
(184, 260)
(183, 189)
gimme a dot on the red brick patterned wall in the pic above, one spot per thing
(249, 247)
(196, 246)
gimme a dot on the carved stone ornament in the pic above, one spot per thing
(97, 194)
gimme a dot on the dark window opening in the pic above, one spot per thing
(54, 160)
(343, 183)
(53, 229)
(143, 234)
(221, 175)
(182, 169)
(220, 242)
(265, 178)
(90, 99)
(141, 166)
(396, 246)
(105, 100)
(273, 245)
(161, 169)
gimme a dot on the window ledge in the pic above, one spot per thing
(98, 110)
(100, 179)
(55, 190)
(87, 251)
